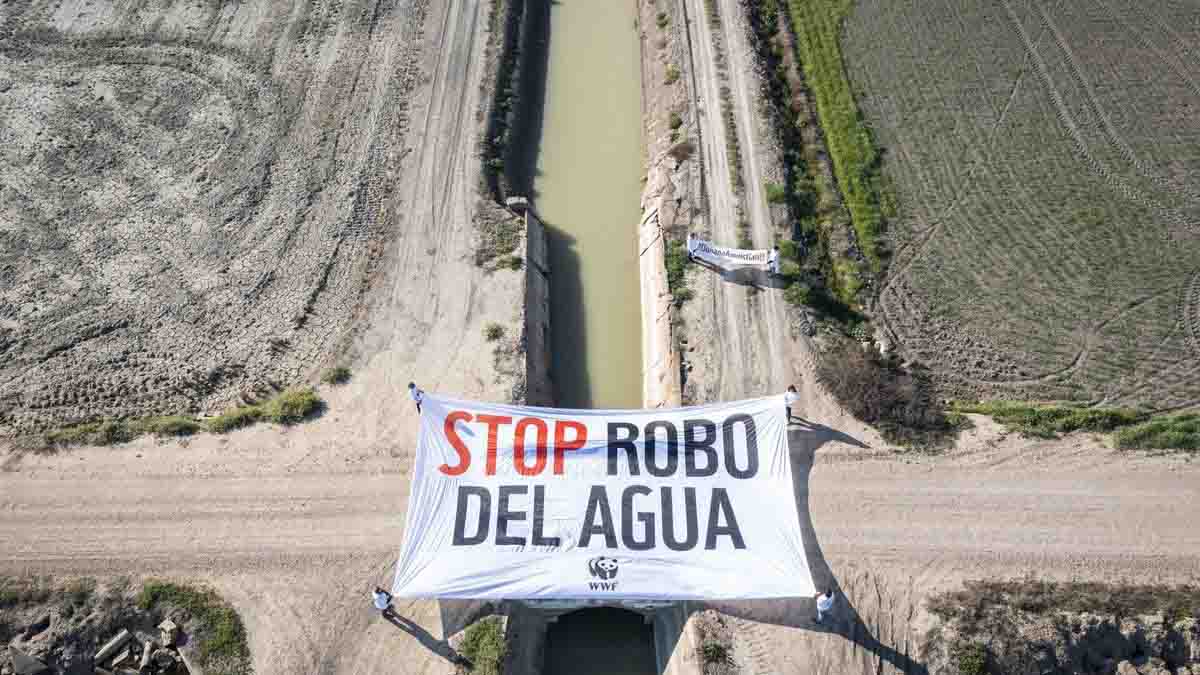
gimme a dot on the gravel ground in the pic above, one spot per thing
(193, 198)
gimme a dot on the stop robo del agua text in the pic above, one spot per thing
(700, 436)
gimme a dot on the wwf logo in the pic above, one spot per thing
(603, 568)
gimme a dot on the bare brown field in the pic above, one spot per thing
(193, 197)
(1045, 155)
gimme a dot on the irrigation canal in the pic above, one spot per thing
(587, 191)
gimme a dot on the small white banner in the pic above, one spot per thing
(514, 502)
(729, 258)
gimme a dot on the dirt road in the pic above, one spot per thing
(296, 537)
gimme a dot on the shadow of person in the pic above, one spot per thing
(753, 277)
(743, 276)
(798, 421)
(845, 620)
(709, 266)
(456, 615)
(440, 647)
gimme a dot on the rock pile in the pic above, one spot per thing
(127, 654)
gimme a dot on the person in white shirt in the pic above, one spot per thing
(691, 246)
(824, 604)
(790, 398)
(417, 395)
(383, 601)
(773, 261)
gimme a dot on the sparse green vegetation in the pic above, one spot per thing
(511, 262)
(1132, 429)
(876, 390)
(985, 627)
(1167, 432)
(499, 236)
(493, 332)
(336, 375)
(1048, 421)
(484, 646)
(167, 425)
(971, 658)
(236, 418)
(805, 196)
(291, 406)
(79, 434)
(732, 145)
(663, 20)
(672, 74)
(1041, 597)
(818, 26)
(715, 653)
(798, 293)
(221, 636)
(675, 122)
(776, 193)
(834, 271)
(72, 595)
(504, 28)
(77, 594)
(111, 432)
(676, 260)
(19, 591)
(288, 407)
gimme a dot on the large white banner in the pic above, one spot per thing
(729, 258)
(686, 503)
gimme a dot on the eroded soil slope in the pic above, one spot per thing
(192, 196)
(1045, 156)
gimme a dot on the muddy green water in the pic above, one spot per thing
(588, 188)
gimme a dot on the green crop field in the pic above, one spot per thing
(1046, 159)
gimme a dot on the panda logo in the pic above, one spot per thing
(603, 568)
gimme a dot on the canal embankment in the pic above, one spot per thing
(671, 197)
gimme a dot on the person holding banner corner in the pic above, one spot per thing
(691, 247)
(824, 604)
(417, 395)
(790, 398)
(773, 261)
(383, 602)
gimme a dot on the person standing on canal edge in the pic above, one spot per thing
(824, 604)
(383, 602)
(773, 261)
(790, 398)
(417, 395)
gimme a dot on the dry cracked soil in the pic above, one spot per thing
(193, 197)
